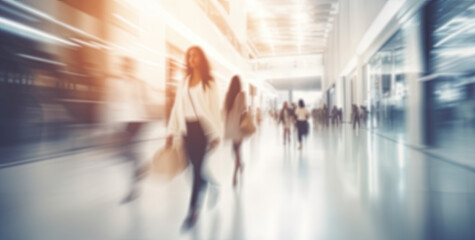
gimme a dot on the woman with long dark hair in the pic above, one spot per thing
(196, 119)
(234, 108)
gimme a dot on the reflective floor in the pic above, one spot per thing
(344, 184)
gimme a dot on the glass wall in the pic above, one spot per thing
(387, 89)
(451, 89)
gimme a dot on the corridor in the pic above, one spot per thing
(344, 184)
(237, 120)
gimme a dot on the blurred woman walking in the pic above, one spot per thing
(302, 115)
(234, 110)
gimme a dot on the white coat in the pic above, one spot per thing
(208, 102)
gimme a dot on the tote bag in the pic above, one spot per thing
(168, 162)
(247, 125)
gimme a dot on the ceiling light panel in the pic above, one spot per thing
(277, 27)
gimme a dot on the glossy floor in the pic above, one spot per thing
(344, 184)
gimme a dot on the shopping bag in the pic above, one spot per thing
(168, 162)
(247, 125)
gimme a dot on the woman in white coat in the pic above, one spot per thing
(196, 118)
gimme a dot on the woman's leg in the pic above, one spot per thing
(198, 182)
(300, 133)
(195, 143)
(286, 135)
(238, 163)
(132, 129)
(287, 130)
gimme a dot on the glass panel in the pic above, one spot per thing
(387, 89)
(452, 92)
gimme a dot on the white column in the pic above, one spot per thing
(413, 67)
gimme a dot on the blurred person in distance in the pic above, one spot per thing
(258, 116)
(234, 109)
(340, 116)
(315, 117)
(293, 121)
(286, 119)
(355, 116)
(325, 115)
(195, 118)
(334, 116)
(302, 115)
(364, 114)
(124, 109)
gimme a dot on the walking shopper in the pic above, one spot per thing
(302, 115)
(196, 118)
(355, 116)
(334, 116)
(125, 111)
(325, 115)
(286, 119)
(234, 110)
(315, 118)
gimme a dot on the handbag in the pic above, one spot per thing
(168, 162)
(247, 125)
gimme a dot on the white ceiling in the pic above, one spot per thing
(289, 27)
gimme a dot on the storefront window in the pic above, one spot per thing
(452, 89)
(387, 89)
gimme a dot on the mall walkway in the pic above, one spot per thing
(345, 184)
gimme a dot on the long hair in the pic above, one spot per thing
(205, 70)
(233, 90)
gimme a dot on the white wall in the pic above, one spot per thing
(353, 20)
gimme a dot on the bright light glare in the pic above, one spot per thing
(35, 33)
(462, 29)
(49, 18)
(40, 59)
(73, 74)
(19, 14)
(84, 42)
(461, 52)
(130, 24)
